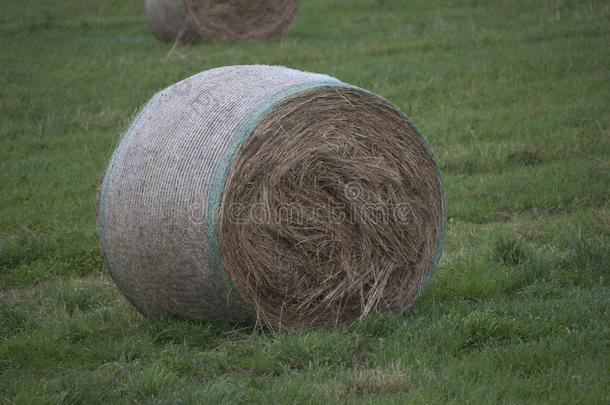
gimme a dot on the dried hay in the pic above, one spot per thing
(242, 20)
(263, 191)
(220, 20)
(331, 211)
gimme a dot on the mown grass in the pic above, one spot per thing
(513, 97)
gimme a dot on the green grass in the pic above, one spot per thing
(514, 98)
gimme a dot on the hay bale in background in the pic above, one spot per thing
(263, 190)
(220, 20)
(242, 20)
(169, 22)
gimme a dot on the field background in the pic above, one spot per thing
(514, 99)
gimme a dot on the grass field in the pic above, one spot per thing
(514, 97)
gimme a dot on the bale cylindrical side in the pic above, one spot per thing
(263, 191)
(169, 21)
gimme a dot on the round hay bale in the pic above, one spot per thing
(263, 191)
(242, 20)
(220, 20)
(169, 22)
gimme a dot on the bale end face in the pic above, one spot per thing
(242, 20)
(169, 22)
(331, 211)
